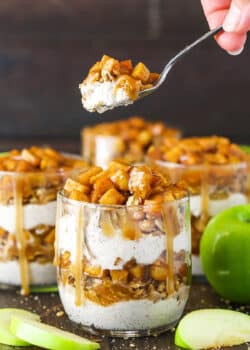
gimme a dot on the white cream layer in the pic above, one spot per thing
(216, 205)
(126, 315)
(33, 215)
(105, 150)
(104, 250)
(38, 273)
(100, 97)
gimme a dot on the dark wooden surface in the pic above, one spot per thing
(47, 305)
(46, 48)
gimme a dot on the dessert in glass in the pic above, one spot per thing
(111, 83)
(215, 173)
(29, 182)
(123, 250)
(127, 139)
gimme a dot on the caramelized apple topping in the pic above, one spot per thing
(123, 184)
(38, 159)
(132, 78)
(212, 150)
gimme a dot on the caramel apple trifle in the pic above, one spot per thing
(123, 250)
(127, 139)
(111, 83)
(29, 182)
(215, 172)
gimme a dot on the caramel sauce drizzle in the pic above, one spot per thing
(56, 245)
(169, 226)
(129, 84)
(79, 257)
(106, 225)
(21, 243)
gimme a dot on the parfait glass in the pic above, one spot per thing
(123, 270)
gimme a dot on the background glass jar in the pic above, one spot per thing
(212, 188)
(124, 139)
(123, 271)
(27, 226)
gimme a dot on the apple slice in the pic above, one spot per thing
(43, 289)
(6, 337)
(212, 328)
(48, 337)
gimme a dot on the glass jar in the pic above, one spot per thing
(126, 139)
(27, 226)
(123, 270)
(212, 188)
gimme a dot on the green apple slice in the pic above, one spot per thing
(48, 337)
(44, 289)
(245, 148)
(6, 337)
(3, 154)
(212, 328)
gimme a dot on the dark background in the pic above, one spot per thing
(47, 46)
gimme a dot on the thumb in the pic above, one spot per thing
(238, 18)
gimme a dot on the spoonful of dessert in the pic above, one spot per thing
(111, 83)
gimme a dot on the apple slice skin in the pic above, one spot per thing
(212, 328)
(224, 251)
(49, 337)
(6, 337)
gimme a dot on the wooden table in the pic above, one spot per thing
(49, 307)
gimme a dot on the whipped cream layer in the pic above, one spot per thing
(33, 215)
(104, 251)
(215, 206)
(125, 315)
(100, 97)
(39, 274)
(105, 150)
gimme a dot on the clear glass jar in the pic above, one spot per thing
(27, 226)
(212, 188)
(123, 271)
(100, 146)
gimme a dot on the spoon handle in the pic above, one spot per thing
(186, 50)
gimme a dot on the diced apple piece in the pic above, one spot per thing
(141, 72)
(112, 196)
(126, 67)
(153, 77)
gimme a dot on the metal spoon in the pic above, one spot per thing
(175, 59)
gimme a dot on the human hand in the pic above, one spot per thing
(234, 15)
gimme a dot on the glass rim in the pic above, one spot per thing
(48, 172)
(172, 165)
(77, 203)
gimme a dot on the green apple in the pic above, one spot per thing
(43, 289)
(225, 253)
(245, 148)
(212, 328)
(48, 337)
(6, 337)
(3, 154)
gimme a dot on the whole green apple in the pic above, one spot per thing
(225, 253)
